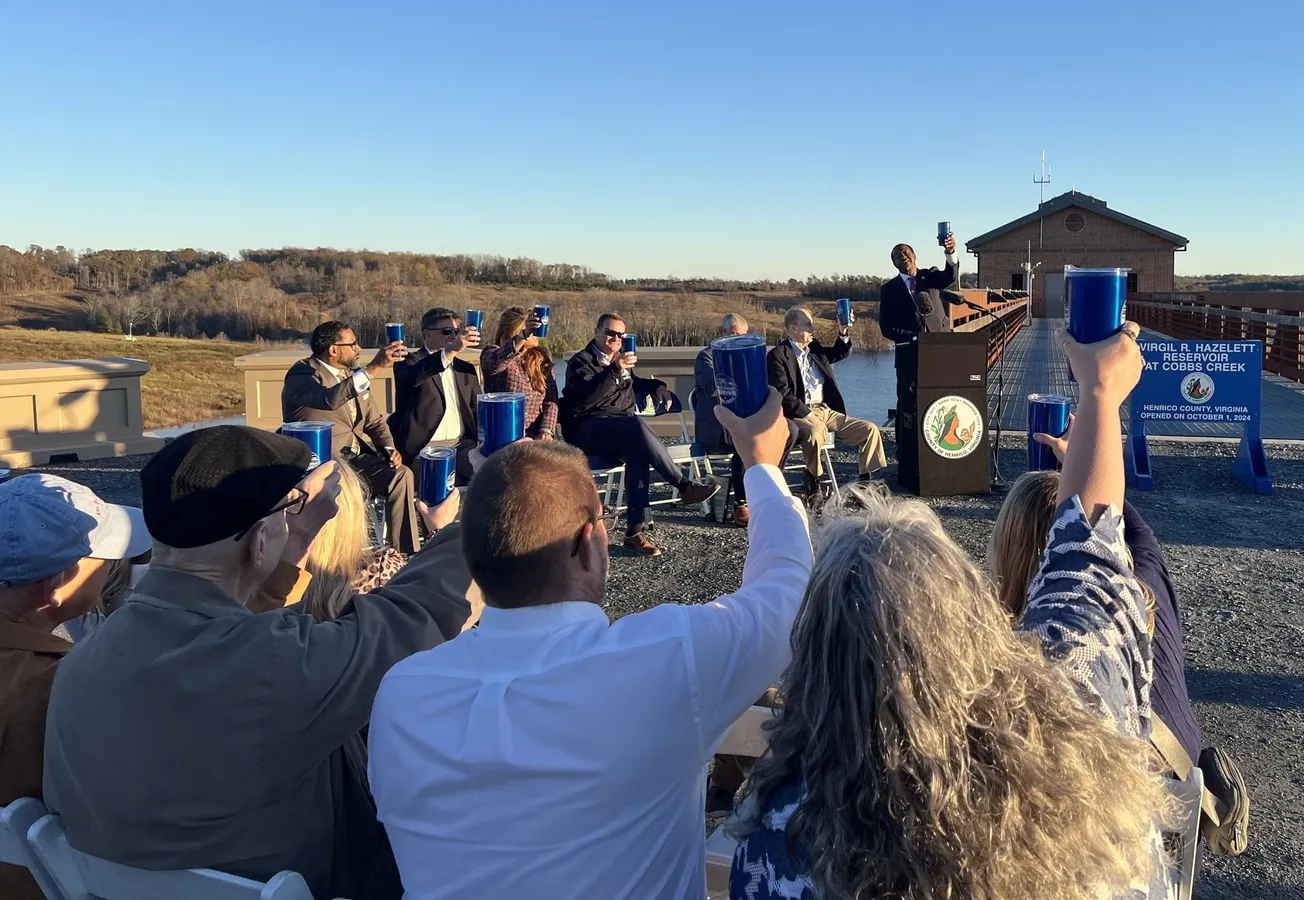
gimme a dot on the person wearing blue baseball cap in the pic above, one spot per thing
(57, 543)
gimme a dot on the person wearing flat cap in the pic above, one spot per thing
(57, 542)
(187, 731)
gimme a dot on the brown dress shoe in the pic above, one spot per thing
(741, 516)
(695, 492)
(641, 545)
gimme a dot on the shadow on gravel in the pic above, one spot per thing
(1220, 887)
(1241, 689)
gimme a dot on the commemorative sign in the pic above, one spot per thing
(1211, 382)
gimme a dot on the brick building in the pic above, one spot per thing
(1076, 230)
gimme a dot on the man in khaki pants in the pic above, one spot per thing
(801, 369)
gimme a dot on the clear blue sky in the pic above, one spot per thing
(748, 139)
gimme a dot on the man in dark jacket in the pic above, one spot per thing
(709, 437)
(598, 416)
(912, 304)
(331, 386)
(801, 370)
(435, 393)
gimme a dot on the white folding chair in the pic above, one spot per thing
(15, 821)
(745, 737)
(681, 452)
(613, 470)
(826, 454)
(1188, 794)
(83, 877)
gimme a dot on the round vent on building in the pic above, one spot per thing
(1074, 222)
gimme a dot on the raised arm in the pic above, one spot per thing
(494, 359)
(413, 371)
(303, 391)
(588, 383)
(840, 350)
(740, 642)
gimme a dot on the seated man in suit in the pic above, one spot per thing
(911, 305)
(435, 393)
(331, 386)
(801, 370)
(598, 406)
(709, 433)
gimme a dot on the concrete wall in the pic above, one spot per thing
(82, 408)
(264, 374)
(1103, 242)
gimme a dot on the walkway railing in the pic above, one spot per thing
(1274, 317)
(1013, 311)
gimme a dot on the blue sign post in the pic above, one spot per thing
(1200, 381)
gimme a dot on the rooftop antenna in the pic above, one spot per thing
(1041, 181)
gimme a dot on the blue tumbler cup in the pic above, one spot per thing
(4, 475)
(629, 344)
(740, 378)
(844, 312)
(502, 420)
(943, 229)
(317, 435)
(1097, 300)
(393, 332)
(542, 312)
(437, 473)
(1047, 414)
(474, 318)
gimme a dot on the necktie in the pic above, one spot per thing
(911, 280)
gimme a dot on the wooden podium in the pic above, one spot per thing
(942, 415)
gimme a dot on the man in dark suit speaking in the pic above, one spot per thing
(910, 305)
(435, 392)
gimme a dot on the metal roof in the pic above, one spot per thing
(1082, 201)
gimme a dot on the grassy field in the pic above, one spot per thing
(188, 380)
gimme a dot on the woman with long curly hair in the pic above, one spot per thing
(927, 750)
(517, 362)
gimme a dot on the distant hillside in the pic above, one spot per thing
(281, 294)
(1205, 283)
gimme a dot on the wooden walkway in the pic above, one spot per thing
(1034, 365)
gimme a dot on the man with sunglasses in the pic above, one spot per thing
(333, 386)
(598, 409)
(233, 736)
(552, 752)
(435, 392)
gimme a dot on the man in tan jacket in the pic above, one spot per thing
(333, 386)
(187, 731)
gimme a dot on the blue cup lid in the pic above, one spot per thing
(738, 341)
(1048, 398)
(438, 452)
(502, 397)
(1074, 272)
(307, 426)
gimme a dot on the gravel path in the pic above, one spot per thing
(1237, 560)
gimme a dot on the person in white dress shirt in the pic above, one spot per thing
(553, 753)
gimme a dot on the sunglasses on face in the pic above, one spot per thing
(292, 505)
(614, 335)
(446, 332)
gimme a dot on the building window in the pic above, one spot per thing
(1018, 281)
(1074, 222)
(1132, 282)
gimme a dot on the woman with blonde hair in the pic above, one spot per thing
(340, 559)
(925, 749)
(517, 362)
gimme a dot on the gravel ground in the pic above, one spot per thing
(1237, 560)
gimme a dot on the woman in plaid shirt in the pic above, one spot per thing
(516, 362)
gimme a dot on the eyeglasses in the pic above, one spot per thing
(349, 344)
(293, 505)
(446, 332)
(579, 535)
(615, 335)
